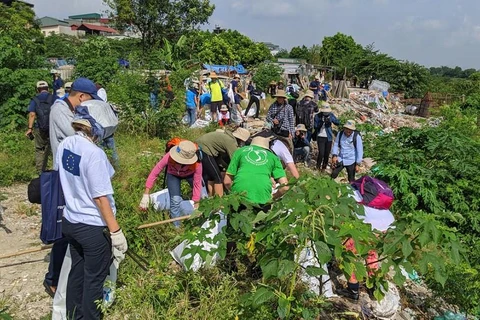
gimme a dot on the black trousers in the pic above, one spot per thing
(324, 147)
(57, 255)
(350, 171)
(91, 252)
(253, 99)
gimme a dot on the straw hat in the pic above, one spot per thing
(350, 124)
(242, 134)
(213, 75)
(309, 93)
(281, 94)
(301, 127)
(81, 121)
(220, 130)
(236, 76)
(223, 108)
(273, 82)
(184, 153)
(325, 108)
(261, 142)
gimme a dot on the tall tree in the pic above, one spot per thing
(339, 50)
(161, 19)
(300, 53)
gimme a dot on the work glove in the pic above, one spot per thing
(119, 241)
(145, 202)
(117, 257)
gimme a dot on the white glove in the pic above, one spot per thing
(119, 241)
(117, 257)
(145, 201)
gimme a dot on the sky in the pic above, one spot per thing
(429, 32)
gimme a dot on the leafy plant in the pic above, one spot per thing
(265, 73)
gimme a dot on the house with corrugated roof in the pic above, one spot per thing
(50, 25)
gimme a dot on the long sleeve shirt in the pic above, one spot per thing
(347, 152)
(179, 170)
(284, 114)
(319, 122)
(60, 124)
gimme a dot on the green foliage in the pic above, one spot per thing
(448, 72)
(339, 51)
(300, 53)
(320, 214)
(17, 160)
(282, 53)
(266, 72)
(158, 20)
(96, 61)
(17, 87)
(62, 46)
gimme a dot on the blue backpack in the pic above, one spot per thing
(53, 202)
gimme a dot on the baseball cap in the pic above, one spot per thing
(42, 84)
(85, 85)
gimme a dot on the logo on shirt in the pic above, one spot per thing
(257, 157)
(71, 162)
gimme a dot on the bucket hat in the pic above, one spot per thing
(309, 93)
(301, 127)
(325, 108)
(184, 153)
(223, 108)
(350, 124)
(213, 75)
(242, 134)
(281, 94)
(261, 142)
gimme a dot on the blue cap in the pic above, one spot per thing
(85, 85)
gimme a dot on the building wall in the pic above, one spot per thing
(63, 30)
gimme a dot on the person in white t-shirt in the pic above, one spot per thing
(322, 125)
(89, 222)
(281, 150)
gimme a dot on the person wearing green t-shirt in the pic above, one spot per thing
(251, 170)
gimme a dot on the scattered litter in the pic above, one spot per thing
(449, 315)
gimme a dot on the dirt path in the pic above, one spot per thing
(21, 277)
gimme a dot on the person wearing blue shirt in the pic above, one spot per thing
(234, 83)
(322, 125)
(315, 87)
(192, 105)
(347, 151)
(57, 82)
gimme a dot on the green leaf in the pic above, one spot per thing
(407, 248)
(323, 252)
(440, 277)
(261, 296)
(260, 217)
(315, 271)
(285, 268)
(270, 269)
(282, 308)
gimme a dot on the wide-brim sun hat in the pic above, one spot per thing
(261, 142)
(213, 75)
(81, 121)
(281, 94)
(184, 153)
(223, 108)
(325, 108)
(350, 124)
(242, 134)
(309, 93)
(301, 127)
(236, 76)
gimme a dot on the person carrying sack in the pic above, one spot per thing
(89, 222)
(182, 163)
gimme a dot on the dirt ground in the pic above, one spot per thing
(21, 277)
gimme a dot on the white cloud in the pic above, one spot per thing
(432, 24)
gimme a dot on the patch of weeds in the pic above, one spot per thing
(27, 209)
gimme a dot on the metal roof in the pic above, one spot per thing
(49, 22)
(86, 16)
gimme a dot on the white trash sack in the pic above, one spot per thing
(199, 123)
(251, 112)
(318, 285)
(103, 113)
(161, 201)
(388, 306)
(198, 262)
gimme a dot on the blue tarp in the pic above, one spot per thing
(224, 68)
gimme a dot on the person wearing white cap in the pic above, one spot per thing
(39, 110)
(323, 134)
(89, 224)
(347, 151)
(301, 145)
(251, 170)
(217, 146)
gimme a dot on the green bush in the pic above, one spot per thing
(266, 72)
(17, 158)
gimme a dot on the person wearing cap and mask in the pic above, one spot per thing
(347, 151)
(301, 145)
(256, 163)
(234, 83)
(281, 116)
(44, 101)
(68, 87)
(305, 111)
(217, 146)
(61, 116)
(192, 103)
(89, 224)
(182, 164)
(323, 134)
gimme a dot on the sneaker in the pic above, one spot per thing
(349, 294)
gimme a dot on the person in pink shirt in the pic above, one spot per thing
(181, 163)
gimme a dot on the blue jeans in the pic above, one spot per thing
(192, 115)
(173, 185)
(154, 100)
(303, 152)
(109, 143)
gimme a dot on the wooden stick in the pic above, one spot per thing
(26, 251)
(149, 225)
